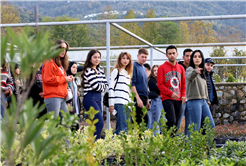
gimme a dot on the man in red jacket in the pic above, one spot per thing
(171, 83)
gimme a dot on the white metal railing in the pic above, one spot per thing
(113, 22)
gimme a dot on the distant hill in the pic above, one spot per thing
(163, 9)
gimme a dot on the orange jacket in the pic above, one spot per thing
(54, 81)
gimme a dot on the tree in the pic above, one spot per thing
(125, 39)
(231, 34)
(28, 16)
(219, 52)
(168, 33)
(75, 35)
(9, 14)
(150, 29)
(198, 32)
(99, 31)
(238, 71)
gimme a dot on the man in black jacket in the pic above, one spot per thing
(209, 63)
(186, 56)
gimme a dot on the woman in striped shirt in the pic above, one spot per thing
(119, 96)
(94, 82)
(6, 86)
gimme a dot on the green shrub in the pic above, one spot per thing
(230, 78)
(217, 78)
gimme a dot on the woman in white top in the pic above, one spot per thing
(119, 96)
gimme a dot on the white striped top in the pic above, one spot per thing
(94, 81)
(6, 81)
(122, 89)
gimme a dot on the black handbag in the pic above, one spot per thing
(105, 97)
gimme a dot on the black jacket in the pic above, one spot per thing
(154, 91)
(215, 99)
(182, 64)
(36, 88)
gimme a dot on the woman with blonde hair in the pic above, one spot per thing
(55, 80)
(119, 90)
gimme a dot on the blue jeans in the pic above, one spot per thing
(149, 119)
(121, 118)
(155, 111)
(197, 111)
(56, 104)
(181, 116)
(3, 104)
(93, 99)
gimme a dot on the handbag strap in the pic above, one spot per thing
(117, 78)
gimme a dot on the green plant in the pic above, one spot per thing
(30, 51)
(217, 78)
(233, 153)
(230, 78)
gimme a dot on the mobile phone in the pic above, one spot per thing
(114, 112)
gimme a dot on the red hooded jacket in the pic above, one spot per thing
(170, 79)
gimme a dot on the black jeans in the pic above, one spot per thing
(173, 111)
(139, 112)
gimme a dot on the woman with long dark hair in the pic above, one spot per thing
(94, 82)
(119, 96)
(75, 101)
(156, 103)
(55, 80)
(196, 92)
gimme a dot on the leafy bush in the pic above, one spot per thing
(230, 78)
(217, 78)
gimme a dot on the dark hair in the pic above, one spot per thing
(62, 61)
(147, 66)
(201, 65)
(152, 72)
(143, 51)
(88, 63)
(187, 50)
(71, 63)
(171, 47)
(16, 66)
(5, 65)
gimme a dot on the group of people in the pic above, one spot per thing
(180, 88)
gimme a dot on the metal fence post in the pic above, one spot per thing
(151, 56)
(108, 65)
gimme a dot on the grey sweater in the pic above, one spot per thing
(196, 86)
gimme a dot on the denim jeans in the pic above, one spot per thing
(56, 104)
(149, 119)
(3, 104)
(121, 118)
(181, 117)
(155, 110)
(93, 99)
(197, 111)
